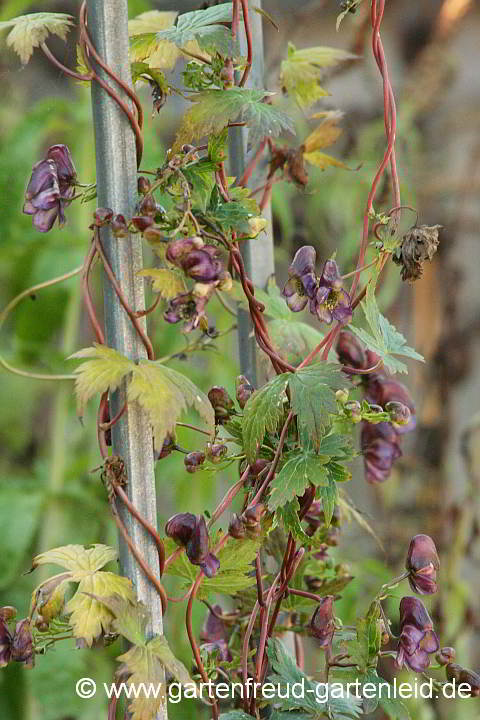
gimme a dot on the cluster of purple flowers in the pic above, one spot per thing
(380, 442)
(51, 188)
(201, 263)
(324, 294)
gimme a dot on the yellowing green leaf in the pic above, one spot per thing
(162, 392)
(168, 283)
(141, 665)
(30, 31)
(206, 27)
(214, 109)
(165, 394)
(147, 47)
(301, 73)
(325, 134)
(105, 370)
(322, 160)
(89, 617)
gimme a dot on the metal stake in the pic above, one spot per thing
(258, 253)
(116, 188)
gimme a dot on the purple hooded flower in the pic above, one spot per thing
(380, 448)
(5, 642)
(191, 532)
(197, 260)
(417, 639)
(193, 460)
(214, 636)
(330, 301)
(302, 280)
(189, 307)
(51, 188)
(423, 563)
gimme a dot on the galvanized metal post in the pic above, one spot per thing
(116, 188)
(257, 254)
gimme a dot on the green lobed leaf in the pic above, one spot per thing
(391, 706)
(384, 339)
(263, 413)
(288, 515)
(300, 468)
(328, 493)
(214, 109)
(201, 177)
(312, 397)
(30, 31)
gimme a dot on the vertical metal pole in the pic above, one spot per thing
(257, 254)
(116, 188)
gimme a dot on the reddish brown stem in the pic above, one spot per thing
(87, 298)
(63, 68)
(248, 33)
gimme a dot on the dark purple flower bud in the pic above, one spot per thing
(302, 282)
(22, 645)
(143, 185)
(201, 265)
(380, 449)
(417, 639)
(257, 467)
(423, 563)
(142, 222)
(216, 452)
(148, 206)
(452, 671)
(193, 460)
(168, 447)
(180, 528)
(177, 250)
(322, 624)
(119, 226)
(221, 402)
(210, 565)
(445, 656)
(470, 678)
(399, 413)
(236, 528)
(244, 390)
(197, 546)
(383, 390)
(102, 216)
(350, 351)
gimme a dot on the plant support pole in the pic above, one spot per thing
(258, 253)
(116, 189)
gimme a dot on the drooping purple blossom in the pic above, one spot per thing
(331, 301)
(423, 563)
(302, 280)
(191, 532)
(214, 635)
(417, 638)
(380, 449)
(51, 188)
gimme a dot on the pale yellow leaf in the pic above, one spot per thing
(89, 617)
(325, 134)
(168, 283)
(165, 394)
(322, 160)
(30, 31)
(156, 53)
(104, 370)
(142, 666)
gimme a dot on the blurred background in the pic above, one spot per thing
(48, 493)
